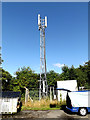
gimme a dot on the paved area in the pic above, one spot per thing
(57, 114)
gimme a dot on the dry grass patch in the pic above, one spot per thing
(37, 104)
(43, 104)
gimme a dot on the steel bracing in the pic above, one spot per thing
(43, 78)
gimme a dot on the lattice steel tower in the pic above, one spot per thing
(42, 24)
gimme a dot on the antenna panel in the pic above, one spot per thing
(45, 21)
(39, 22)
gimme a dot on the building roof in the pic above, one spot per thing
(63, 89)
(9, 94)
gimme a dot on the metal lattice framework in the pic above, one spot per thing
(43, 80)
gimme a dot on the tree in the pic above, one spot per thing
(72, 73)
(5, 76)
(81, 77)
(52, 78)
(25, 77)
(87, 68)
(65, 73)
(0, 57)
(81, 74)
(6, 79)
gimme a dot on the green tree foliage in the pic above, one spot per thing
(87, 68)
(25, 77)
(65, 73)
(6, 79)
(72, 73)
(81, 77)
(0, 57)
(68, 73)
(81, 74)
(52, 78)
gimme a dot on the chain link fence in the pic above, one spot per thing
(34, 93)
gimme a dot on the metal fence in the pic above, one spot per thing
(34, 93)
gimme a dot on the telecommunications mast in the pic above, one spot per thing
(42, 24)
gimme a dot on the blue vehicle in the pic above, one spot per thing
(78, 101)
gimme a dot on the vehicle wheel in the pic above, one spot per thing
(83, 111)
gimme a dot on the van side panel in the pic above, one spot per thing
(78, 99)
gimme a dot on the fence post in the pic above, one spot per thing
(26, 95)
(50, 95)
(53, 93)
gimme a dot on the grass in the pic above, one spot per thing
(43, 104)
(46, 108)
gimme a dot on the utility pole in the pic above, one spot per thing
(42, 24)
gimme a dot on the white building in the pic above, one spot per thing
(66, 84)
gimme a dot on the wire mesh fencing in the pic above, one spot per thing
(34, 93)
